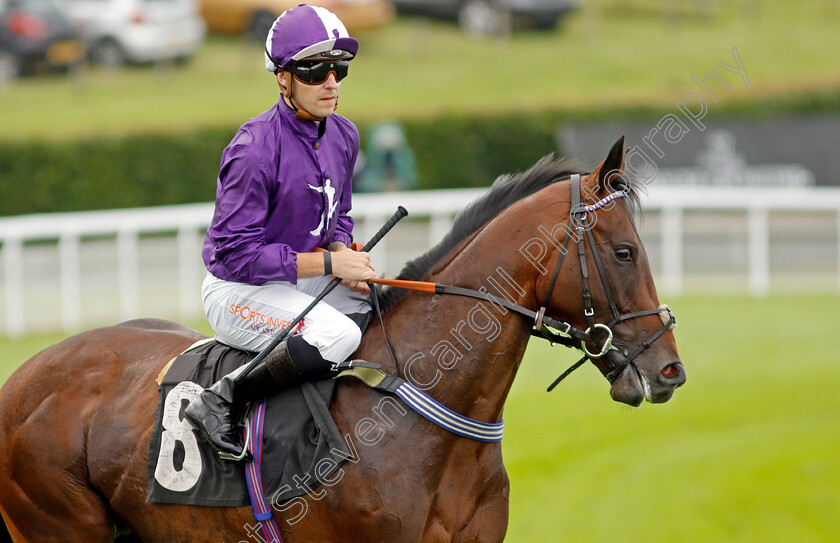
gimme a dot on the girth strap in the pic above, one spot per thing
(374, 378)
(262, 510)
(427, 406)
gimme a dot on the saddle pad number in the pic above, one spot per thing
(178, 430)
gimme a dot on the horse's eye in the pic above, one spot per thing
(625, 254)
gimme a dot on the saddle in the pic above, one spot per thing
(300, 441)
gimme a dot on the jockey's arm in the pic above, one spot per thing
(353, 267)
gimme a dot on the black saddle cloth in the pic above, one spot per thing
(299, 438)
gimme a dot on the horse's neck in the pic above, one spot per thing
(462, 351)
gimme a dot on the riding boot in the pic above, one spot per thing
(211, 411)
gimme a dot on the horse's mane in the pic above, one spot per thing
(506, 190)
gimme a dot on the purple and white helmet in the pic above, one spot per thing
(304, 31)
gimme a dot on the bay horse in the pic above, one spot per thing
(75, 420)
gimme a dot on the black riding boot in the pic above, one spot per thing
(289, 363)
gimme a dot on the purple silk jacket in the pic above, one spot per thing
(284, 187)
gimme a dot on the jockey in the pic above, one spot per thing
(284, 191)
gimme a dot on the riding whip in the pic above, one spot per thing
(401, 212)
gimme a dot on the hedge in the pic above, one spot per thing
(141, 170)
(163, 169)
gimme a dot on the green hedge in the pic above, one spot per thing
(141, 170)
(162, 169)
(471, 152)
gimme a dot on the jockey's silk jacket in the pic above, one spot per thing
(284, 187)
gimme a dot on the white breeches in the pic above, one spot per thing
(248, 316)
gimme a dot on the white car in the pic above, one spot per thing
(120, 31)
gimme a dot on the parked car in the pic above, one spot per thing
(485, 17)
(253, 18)
(34, 35)
(121, 31)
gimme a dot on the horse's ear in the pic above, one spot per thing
(611, 165)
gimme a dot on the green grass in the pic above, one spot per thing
(610, 54)
(745, 452)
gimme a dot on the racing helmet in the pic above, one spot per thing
(305, 31)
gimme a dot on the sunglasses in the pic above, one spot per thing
(316, 72)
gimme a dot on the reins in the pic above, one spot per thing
(541, 321)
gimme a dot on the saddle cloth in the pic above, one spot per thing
(302, 446)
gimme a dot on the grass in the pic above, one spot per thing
(611, 53)
(745, 452)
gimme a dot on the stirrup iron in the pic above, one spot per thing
(244, 455)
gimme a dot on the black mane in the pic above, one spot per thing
(505, 191)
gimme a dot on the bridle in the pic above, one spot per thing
(578, 217)
(561, 332)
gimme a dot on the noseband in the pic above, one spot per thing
(583, 232)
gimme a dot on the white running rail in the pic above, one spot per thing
(67, 235)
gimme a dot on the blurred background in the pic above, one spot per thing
(114, 114)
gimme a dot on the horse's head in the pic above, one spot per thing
(600, 296)
(631, 339)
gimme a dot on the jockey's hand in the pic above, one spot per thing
(354, 268)
(358, 286)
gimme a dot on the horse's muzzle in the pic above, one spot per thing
(638, 383)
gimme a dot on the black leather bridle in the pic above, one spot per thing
(563, 333)
(579, 219)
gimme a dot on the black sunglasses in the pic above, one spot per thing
(315, 72)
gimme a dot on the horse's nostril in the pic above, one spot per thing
(673, 373)
(670, 371)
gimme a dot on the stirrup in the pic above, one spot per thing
(245, 454)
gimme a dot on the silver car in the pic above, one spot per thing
(121, 31)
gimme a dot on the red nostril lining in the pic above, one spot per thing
(670, 371)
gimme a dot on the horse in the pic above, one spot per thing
(76, 419)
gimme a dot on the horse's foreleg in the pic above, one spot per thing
(482, 512)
